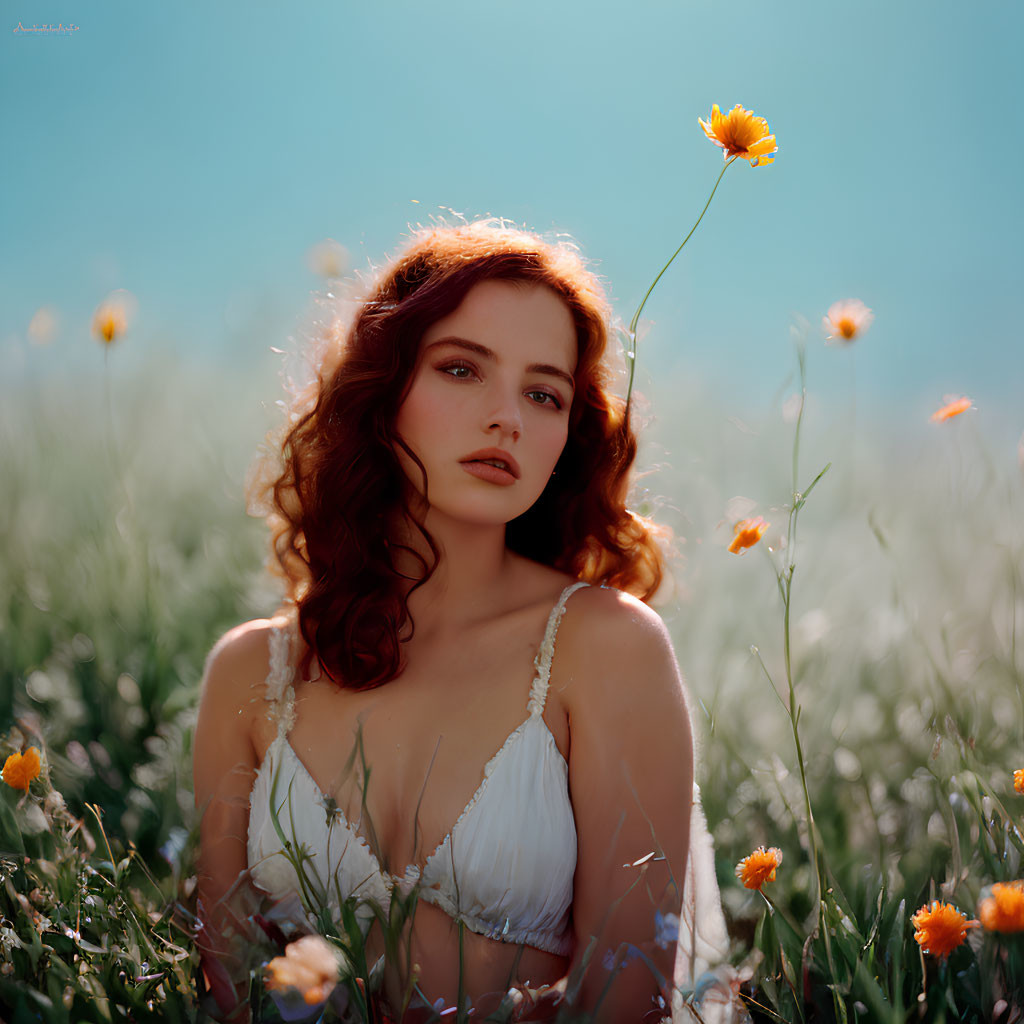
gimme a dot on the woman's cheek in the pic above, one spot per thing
(420, 416)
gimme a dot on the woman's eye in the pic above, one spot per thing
(460, 371)
(545, 398)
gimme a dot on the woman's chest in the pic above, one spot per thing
(405, 761)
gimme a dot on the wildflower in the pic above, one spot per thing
(54, 803)
(111, 318)
(1018, 780)
(20, 769)
(42, 328)
(951, 409)
(328, 259)
(847, 320)
(940, 928)
(309, 966)
(747, 533)
(759, 867)
(666, 928)
(739, 133)
(1003, 911)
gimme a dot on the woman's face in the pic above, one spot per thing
(494, 381)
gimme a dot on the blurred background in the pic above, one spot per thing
(221, 162)
(193, 155)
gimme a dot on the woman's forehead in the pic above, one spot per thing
(515, 319)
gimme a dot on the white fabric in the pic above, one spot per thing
(705, 985)
(483, 872)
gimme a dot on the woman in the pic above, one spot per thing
(448, 509)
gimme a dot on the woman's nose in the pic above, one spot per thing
(507, 416)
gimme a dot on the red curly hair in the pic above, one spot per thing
(333, 482)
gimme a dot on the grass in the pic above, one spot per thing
(127, 552)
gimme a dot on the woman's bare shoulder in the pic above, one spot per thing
(238, 664)
(610, 636)
(607, 616)
(233, 695)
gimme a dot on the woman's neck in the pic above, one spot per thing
(470, 576)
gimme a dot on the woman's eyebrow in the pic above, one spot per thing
(483, 350)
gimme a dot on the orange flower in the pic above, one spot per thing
(112, 315)
(951, 409)
(847, 320)
(747, 533)
(940, 928)
(739, 133)
(21, 769)
(759, 867)
(1003, 911)
(309, 966)
(1018, 780)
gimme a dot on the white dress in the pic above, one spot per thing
(482, 873)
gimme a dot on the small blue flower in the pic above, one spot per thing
(632, 953)
(666, 929)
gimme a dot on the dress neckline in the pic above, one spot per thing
(280, 684)
(412, 870)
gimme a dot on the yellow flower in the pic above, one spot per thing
(951, 409)
(112, 316)
(1018, 780)
(1003, 911)
(309, 966)
(759, 867)
(747, 533)
(847, 320)
(739, 133)
(21, 769)
(940, 928)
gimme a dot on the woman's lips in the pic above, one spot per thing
(492, 474)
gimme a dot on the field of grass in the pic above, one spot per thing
(126, 552)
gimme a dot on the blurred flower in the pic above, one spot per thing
(739, 133)
(112, 316)
(951, 409)
(747, 533)
(1018, 780)
(328, 258)
(1003, 911)
(42, 328)
(54, 803)
(847, 320)
(20, 769)
(940, 928)
(309, 966)
(177, 840)
(759, 867)
(626, 953)
(666, 928)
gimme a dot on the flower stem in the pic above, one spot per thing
(786, 588)
(460, 1009)
(801, 358)
(631, 355)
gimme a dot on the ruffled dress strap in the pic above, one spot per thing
(280, 693)
(546, 651)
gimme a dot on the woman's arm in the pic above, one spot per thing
(631, 781)
(224, 766)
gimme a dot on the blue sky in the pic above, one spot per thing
(193, 153)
